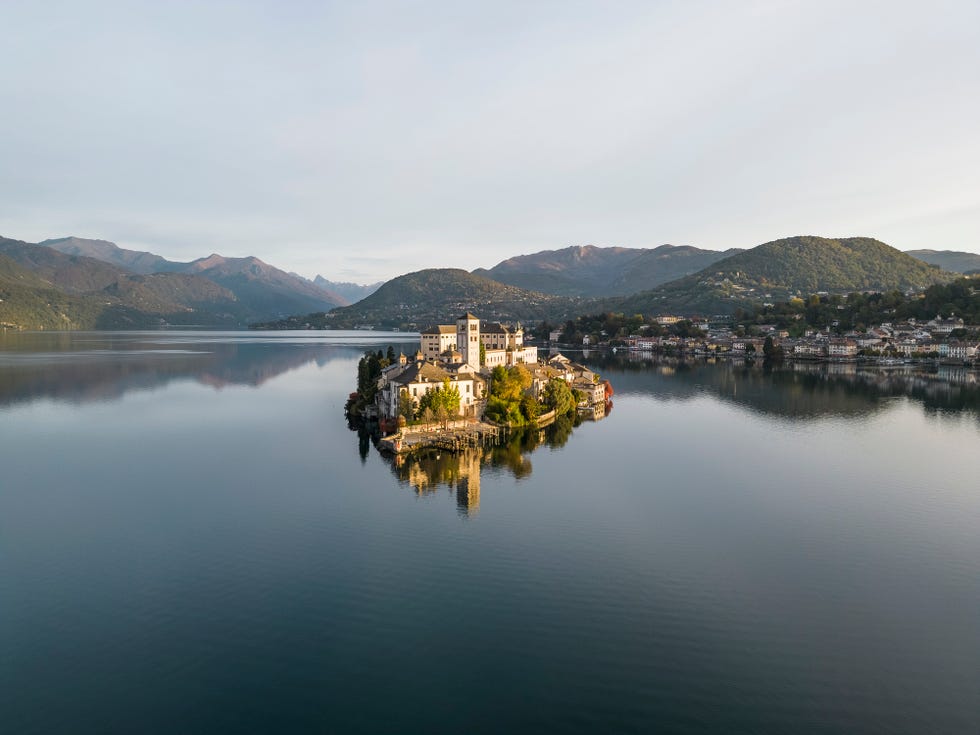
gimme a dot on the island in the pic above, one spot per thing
(468, 385)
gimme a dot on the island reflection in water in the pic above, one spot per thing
(428, 470)
(794, 391)
(85, 367)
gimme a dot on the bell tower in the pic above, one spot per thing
(468, 339)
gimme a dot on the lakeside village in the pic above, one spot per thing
(468, 384)
(887, 343)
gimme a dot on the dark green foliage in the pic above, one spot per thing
(613, 328)
(369, 370)
(530, 409)
(592, 271)
(860, 311)
(426, 297)
(771, 350)
(779, 269)
(558, 396)
(507, 389)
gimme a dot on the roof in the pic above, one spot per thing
(494, 328)
(440, 329)
(468, 316)
(425, 371)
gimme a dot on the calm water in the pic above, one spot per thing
(193, 541)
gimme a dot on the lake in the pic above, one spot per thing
(192, 540)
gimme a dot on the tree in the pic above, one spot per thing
(483, 354)
(406, 408)
(530, 408)
(445, 396)
(559, 397)
(507, 388)
(771, 350)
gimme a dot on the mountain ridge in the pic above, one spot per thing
(418, 299)
(951, 260)
(594, 271)
(262, 290)
(794, 266)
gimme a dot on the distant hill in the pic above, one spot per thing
(134, 261)
(29, 302)
(75, 274)
(949, 260)
(600, 271)
(415, 300)
(792, 266)
(258, 290)
(46, 289)
(352, 292)
(264, 289)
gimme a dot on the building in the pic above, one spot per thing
(502, 345)
(417, 377)
(437, 340)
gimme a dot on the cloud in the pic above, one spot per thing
(309, 134)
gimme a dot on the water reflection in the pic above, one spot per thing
(428, 470)
(796, 391)
(84, 367)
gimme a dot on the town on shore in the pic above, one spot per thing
(468, 383)
(947, 340)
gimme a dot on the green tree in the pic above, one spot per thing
(507, 388)
(406, 407)
(530, 408)
(771, 350)
(445, 396)
(558, 396)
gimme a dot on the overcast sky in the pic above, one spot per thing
(362, 140)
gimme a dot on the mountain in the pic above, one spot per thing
(265, 289)
(27, 301)
(134, 261)
(792, 266)
(73, 274)
(431, 296)
(600, 271)
(261, 291)
(48, 289)
(352, 292)
(950, 260)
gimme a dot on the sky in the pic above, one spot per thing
(362, 140)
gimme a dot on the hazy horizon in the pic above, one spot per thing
(312, 276)
(362, 142)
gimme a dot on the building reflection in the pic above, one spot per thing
(797, 390)
(459, 472)
(430, 470)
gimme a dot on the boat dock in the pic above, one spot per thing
(458, 436)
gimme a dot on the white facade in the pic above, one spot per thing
(468, 339)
